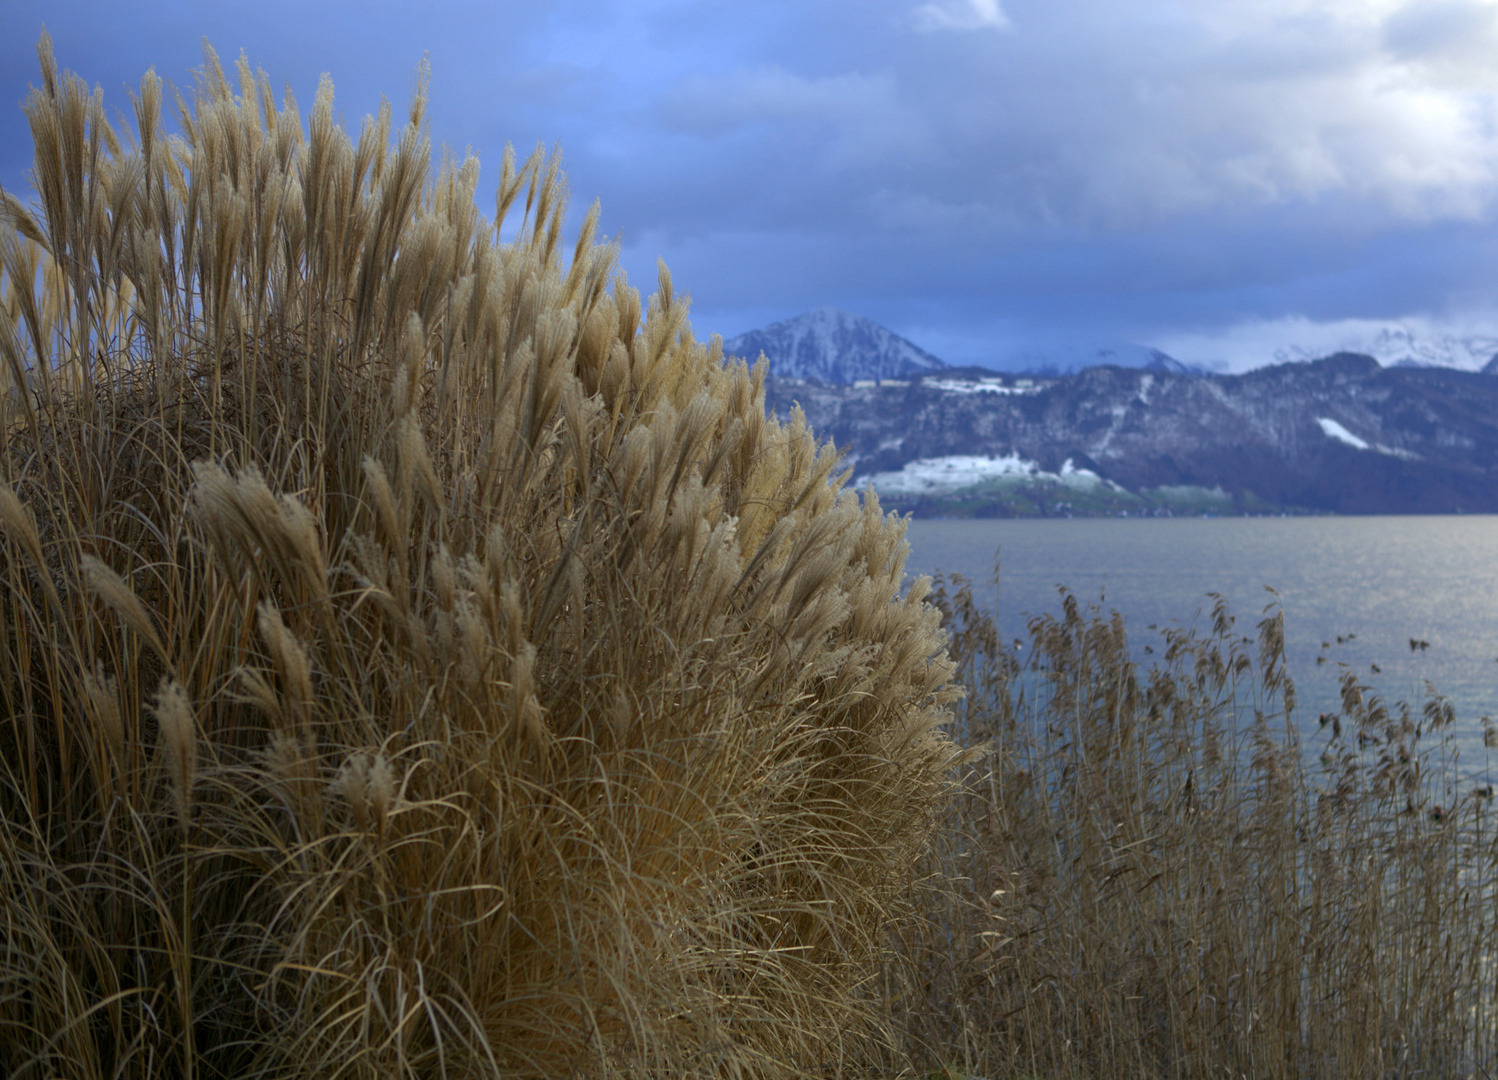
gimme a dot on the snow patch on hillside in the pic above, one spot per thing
(981, 386)
(945, 475)
(1336, 431)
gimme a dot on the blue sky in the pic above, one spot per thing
(1216, 177)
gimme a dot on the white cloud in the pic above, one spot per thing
(1122, 115)
(1450, 39)
(960, 15)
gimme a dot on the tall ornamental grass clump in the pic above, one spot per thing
(416, 657)
(1149, 873)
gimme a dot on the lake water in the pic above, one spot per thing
(1384, 579)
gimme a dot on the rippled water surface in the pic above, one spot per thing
(1384, 579)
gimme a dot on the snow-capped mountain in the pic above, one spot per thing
(840, 348)
(834, 347)
(1399, 345)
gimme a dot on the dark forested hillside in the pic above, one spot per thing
(1340, 435)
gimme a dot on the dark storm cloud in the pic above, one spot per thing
(973, 171)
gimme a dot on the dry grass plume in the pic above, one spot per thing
(418, 656)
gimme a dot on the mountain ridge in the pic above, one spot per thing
(840, 348)
(1338, 435)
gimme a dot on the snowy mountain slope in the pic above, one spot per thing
(834, 347)
(1400, 345)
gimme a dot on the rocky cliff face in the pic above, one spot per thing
(1340, 434)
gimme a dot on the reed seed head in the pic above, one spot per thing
(174, 715)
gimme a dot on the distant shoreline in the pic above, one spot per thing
(1040, 505)
(901, 506)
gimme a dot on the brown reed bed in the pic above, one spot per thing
(1146, 873)
(418, 657)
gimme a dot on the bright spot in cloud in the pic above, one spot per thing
(961, 15)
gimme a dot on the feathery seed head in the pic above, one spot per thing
(103, 697)
(351, 784)
(104, 583)
(17, 521)
(174, 716)
(381, 792)
(291, 660)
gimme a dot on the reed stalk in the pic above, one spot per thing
(1150, 873)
